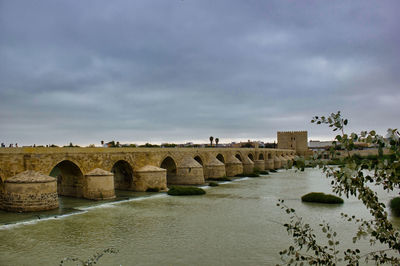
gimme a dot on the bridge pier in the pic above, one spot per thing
(277, 163)
(99, 185)
(259, 165)
(269, 164)
(289, 161)
(150, 177)
(29, 191)
(188, 172)
(248, 166)
(284, 161)
(233, 166)
(214, 169)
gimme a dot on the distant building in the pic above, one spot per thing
(270, 145)
(294, 140)
(248, 144)
(317, 145)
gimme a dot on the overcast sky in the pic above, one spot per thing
(178, 71)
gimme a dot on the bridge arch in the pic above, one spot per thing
(239, 157)
(123, 175)
(221, 158)
(261, 156)
(250, 156)
(199, 160)
(169, 164)
(70, 179)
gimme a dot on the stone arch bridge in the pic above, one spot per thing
(95, 172)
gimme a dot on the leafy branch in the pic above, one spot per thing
(354, 176)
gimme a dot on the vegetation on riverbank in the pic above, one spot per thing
(213, 184)
(363, 160)
(254, 174)
(319, 197)
(222, 179)
(185, 191)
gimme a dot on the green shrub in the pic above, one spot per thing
(254, 175)
(153, 189)
(300, 164)
(273, 171)
(213, 184)
(335, 161)
(320, 197)
(222, 179)
(395, 206)
(183, 191)
(264, 173)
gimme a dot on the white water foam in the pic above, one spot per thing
(241, 179)
(112, 204)
(235, 180)
(17, 224)
(81, 210)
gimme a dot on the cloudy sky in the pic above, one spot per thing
(182, 70)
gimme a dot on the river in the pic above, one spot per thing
(236, 223)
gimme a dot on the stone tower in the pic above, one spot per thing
(294, 140)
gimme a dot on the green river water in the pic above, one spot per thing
(236, 223)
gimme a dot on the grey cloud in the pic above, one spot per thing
(181, 70)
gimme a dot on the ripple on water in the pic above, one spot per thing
(237, 223)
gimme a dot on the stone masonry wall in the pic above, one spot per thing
(30, 196)
(43, 160)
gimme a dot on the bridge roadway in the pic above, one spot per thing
(94, 173)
